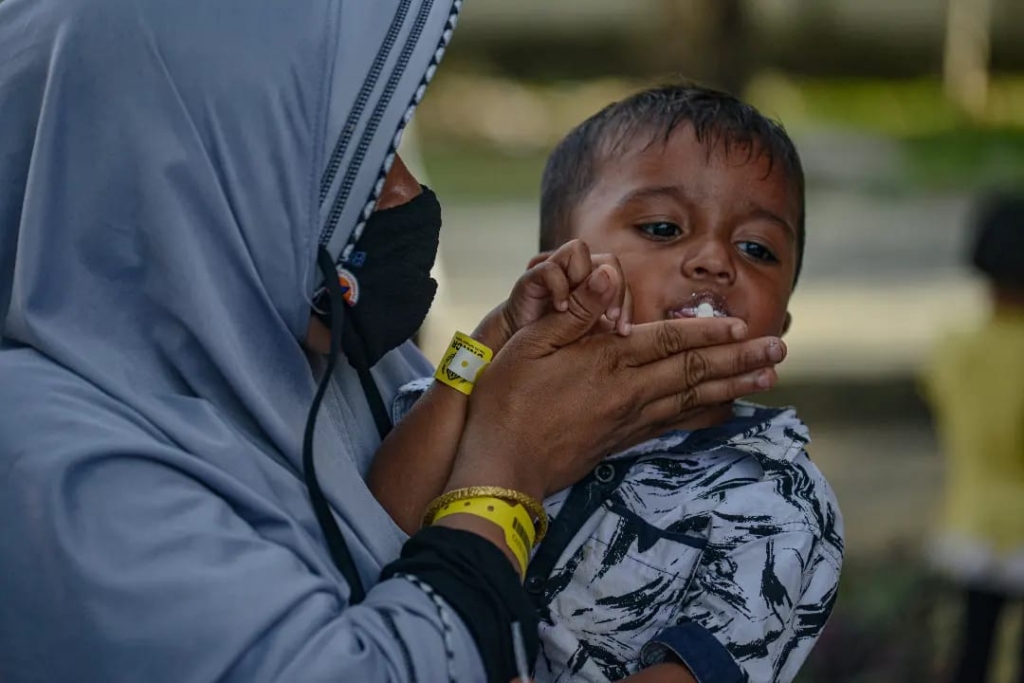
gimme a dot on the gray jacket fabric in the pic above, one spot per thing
(167, 171)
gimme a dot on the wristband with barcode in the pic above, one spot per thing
(513, 519)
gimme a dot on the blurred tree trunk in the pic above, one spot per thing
(730, 32)
(966, 58)
(709, 40)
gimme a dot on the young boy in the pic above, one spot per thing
(975, 384)
(716, 547)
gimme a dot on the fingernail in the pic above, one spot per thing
(562, 305)
(764, 379)
(626, 329)
(613, 313)
(775, 352)
(739, 330)
(599, 282)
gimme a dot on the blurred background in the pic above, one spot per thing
(904, 112)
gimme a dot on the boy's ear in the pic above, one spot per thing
(786, 323)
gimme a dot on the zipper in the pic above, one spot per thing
(389, 622)
(361, 100)
(375, 118)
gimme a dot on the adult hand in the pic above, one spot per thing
(556, 400)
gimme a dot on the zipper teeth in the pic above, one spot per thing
(389, 622)
(362, 99)
(375, 118)
(442, 44)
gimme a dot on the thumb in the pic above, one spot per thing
(587, 303)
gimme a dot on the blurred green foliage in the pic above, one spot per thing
(888, 107)
(467, 172)
(937, 149)
(965, 158)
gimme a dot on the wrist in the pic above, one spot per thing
(485, 529)
(478, 471)
(495, 329)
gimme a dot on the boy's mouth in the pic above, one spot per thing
(701, 305)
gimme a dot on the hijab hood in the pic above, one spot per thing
(167, 173)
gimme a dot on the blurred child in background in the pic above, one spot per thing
(975, 385)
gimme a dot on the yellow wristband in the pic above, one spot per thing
(462, 362)
(532, 506)
(513, 519)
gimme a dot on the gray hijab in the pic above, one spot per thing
(167, 171)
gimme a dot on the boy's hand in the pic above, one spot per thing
(546, 286)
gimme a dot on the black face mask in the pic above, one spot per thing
(386, 277)
(386, 289)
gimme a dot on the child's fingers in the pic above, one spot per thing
(624, 325)
(574, 259)
(538, 259)
(577, 263)
(553, 278)
(586, 304)
(618, 303)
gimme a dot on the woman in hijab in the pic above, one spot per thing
(176, 179)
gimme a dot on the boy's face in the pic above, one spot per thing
(694, 231)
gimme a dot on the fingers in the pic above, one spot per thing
(576, 262)
(678, 374)
(586, 304)
(671, 408)
(574, 259)
(538, 259)
(618, 306)
(652, 342)
(553, 279)
(624, 325)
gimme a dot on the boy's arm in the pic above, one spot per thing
(415, 460)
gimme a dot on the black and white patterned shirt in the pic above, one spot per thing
(721, 547)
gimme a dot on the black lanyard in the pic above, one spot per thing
(336, 545)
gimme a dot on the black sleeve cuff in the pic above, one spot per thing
(477, 580)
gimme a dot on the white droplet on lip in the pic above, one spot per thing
(705, 310)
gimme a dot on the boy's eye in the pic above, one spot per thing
(661, 230)
(757, 251)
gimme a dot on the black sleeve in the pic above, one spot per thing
(479, 583)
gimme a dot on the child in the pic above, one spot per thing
(716, 547)
(975, 383)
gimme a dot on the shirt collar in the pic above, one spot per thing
(771, 435)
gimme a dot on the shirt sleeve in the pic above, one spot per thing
(124, 568)
(407, 396)
(755, 608)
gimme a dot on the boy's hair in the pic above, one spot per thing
(716, 118)
(998, 248)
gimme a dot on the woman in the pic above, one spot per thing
(175, 178)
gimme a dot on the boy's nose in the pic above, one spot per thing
(709, 261)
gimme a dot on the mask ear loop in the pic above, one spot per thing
(352, 343)
(336, 544)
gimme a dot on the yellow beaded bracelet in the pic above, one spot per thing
(532, 506)
(511, 517)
